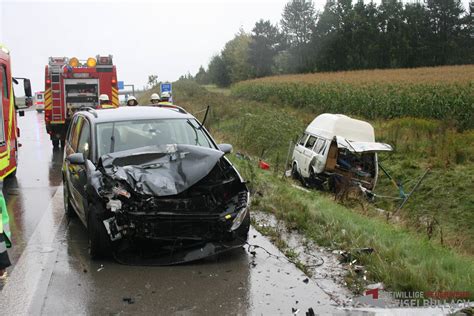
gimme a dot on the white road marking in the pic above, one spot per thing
(24, 292)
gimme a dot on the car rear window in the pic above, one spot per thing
(126, 135)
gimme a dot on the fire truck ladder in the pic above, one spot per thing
(58, 108)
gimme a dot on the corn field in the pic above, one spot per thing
(444, 93)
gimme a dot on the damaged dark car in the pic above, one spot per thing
(152, 186)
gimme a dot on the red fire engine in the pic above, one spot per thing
(71, 84)
(9, 131)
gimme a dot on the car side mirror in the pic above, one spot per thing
(76, 159)
(225, 148)
(27, 86)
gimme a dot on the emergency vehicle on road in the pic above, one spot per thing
(71, 84)
(9, 131)
(39, 101)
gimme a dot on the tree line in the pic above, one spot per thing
(347, 35)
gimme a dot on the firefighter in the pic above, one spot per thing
(104, 102)
(154, 99)
(4, 234)
(132, 101)
(165, 99)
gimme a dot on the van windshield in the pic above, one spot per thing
(126, 135)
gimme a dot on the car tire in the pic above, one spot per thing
(55, 143)
(294, 172)
(63, 143)
(99, 241)
(67, 202)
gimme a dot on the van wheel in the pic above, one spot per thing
(99, 241)
(294, 172)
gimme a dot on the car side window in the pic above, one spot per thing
(303, 139)
(310, 142)
(84, 144)
(319, 147)
(75, 132)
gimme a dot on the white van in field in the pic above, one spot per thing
(335, 145)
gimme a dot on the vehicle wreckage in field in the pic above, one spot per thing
(153, 187)
(335, 147)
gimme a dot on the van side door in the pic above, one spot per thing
(320, 149)
(308, 155)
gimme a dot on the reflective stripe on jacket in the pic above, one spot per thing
(4, 223)
(165, 103)
(107, 106)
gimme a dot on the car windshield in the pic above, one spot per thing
(126, 135)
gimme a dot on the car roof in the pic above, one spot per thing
(128, 113)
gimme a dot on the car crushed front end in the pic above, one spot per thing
(171, 204)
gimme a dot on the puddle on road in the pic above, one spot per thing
(323, 265)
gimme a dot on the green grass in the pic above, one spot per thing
(403, 260)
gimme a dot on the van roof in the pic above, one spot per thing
(330, 125)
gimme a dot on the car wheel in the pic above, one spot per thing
(67, 202)
(55, 143)
(99, 241)
(63, 143)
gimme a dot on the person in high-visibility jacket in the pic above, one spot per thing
(5, 237)
(104, 102)
(165, 99)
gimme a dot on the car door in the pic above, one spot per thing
(298, 151)
(78, 173)
(308, 155)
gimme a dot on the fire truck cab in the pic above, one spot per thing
(9, 131)
(71, 84)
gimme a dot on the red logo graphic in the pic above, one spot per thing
(374, 293)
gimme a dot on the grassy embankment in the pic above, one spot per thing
(405, 259)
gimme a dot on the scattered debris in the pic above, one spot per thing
(300, 188)
(263, 165)
(374, 286)
(241, 156)
(129, 300)
(101, 268)
(294, 311)
(306, 280)
(85, 270)
(310, 312)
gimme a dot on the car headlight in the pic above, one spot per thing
(239, 219)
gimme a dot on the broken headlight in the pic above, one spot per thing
(239, 219)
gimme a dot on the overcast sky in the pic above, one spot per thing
(166, 38)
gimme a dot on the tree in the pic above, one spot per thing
(235, 57)
(265, 45)
(446, 25)
(218, 73)
(297, 22)
(202, 76)
(152, 80)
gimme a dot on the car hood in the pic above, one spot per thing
(160, 170)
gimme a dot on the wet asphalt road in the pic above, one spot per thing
(53, 275)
